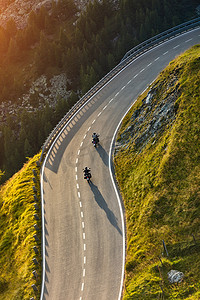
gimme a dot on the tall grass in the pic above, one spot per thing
(16, 234)
(161, 191)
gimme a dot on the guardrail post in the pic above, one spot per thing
(35, 249)
(36, 227)
(36, 237)
(36, 206)
(35, 261)
(34, 189)
(34, 288)
(35, 274)
(36, 217)
(35, 197)
(34, 172)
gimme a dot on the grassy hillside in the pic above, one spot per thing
(158, 169)
(16, 234)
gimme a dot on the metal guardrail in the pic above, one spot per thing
(128, 57)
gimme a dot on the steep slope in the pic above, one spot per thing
(157, 164)
(17, 229)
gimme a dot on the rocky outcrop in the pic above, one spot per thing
(152, 117)
(19, 10)
(42, 91)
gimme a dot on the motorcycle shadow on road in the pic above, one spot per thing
(103, 205)
(103, 154)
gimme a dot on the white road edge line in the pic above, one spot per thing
(118, 196)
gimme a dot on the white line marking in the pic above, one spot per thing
(81, 214)
(149, 64)
(78, 152)
(80, 298)
(156, 58)
(129, 81)
(81, 144)
(83, 225)
(84, 247)
(135, 76)
(89, 128)
(84, 136)
(76, 169)
(84, 260)
(83, 272)
(188, 41)
(82, 287)
(165, 53)
(77, 185)
(76, 177)
(80, 203)
(76, 160)
(176, 46)
(142, 70)
(111, 100)
(84, 235)
(79, 195)
(99, 113)
(123, 88)
(117, 94)
(119, 202)
(93, 121)
(105, 107)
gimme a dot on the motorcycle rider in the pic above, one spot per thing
(95, 137)
(87, 172)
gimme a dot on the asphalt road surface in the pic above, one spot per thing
(84, 226)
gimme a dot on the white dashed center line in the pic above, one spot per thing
(82, 287)
(176, 46)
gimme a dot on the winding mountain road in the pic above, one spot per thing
(84, 227)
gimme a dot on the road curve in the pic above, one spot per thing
(84, 234)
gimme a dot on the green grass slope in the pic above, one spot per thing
(160, 185)
(16, 235)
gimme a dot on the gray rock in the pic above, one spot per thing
(175, 276)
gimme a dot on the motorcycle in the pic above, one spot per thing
(95, 141)
(87, 175)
